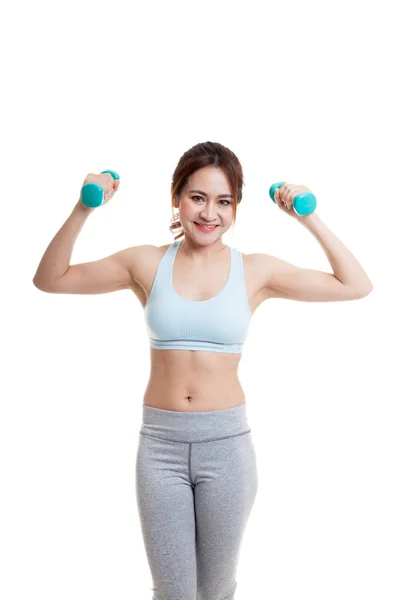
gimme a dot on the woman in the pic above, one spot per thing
(196, 472)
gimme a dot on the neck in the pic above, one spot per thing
(209, 252)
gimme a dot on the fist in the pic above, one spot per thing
(106, 181)
(285, 195)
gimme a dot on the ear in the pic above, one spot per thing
(176, 202)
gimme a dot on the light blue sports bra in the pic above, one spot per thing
(219, 324)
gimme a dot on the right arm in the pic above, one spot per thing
(55, 274)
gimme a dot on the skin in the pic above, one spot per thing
(193, 380)
(198, 247)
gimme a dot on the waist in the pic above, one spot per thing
(182, 380)
(182, 426)
(180, 396)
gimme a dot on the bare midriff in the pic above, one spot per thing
(192, 380)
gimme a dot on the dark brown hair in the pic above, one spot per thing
(204, 155)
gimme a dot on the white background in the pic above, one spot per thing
(303, 92)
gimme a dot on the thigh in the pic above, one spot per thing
(226, 487)
(166, 511)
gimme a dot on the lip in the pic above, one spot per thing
(203, 229)
(206, 224)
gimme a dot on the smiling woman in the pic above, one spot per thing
(225, 172)
(198, 296)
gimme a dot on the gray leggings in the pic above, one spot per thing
(196, 482)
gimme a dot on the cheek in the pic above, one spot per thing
(187, 213)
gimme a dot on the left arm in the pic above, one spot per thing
(348, 281)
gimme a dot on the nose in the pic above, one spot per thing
(209, 213)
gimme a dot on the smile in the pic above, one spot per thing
(205, 227)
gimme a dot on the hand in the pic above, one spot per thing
(285, 195)
(106, 181)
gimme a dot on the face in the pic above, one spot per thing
(206, 199)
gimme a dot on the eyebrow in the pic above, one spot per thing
(204, 194)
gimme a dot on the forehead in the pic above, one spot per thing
(209, 177)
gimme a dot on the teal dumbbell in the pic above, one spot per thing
(303, 204)
(92, 194)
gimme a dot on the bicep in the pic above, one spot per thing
(283, 279)
(109, 274)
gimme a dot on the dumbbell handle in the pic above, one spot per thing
(303, 204)
(92, 194)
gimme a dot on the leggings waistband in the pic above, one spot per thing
(185, 426)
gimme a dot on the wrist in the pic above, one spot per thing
(306, 219)
(82, 209)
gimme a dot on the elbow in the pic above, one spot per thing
(40, 286)
(37, 284)
(365, 292)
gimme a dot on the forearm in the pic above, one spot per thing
(345, 266)
(56, 260)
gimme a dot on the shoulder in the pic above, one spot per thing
(257, 262)
(162, 249)
(147, 253)
(259, 268)
(260, 261)
(143, 260)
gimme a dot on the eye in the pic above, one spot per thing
(201, 198)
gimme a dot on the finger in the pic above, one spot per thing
(278, 200)
(289, 196)
(292, 195)
(284, 194)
